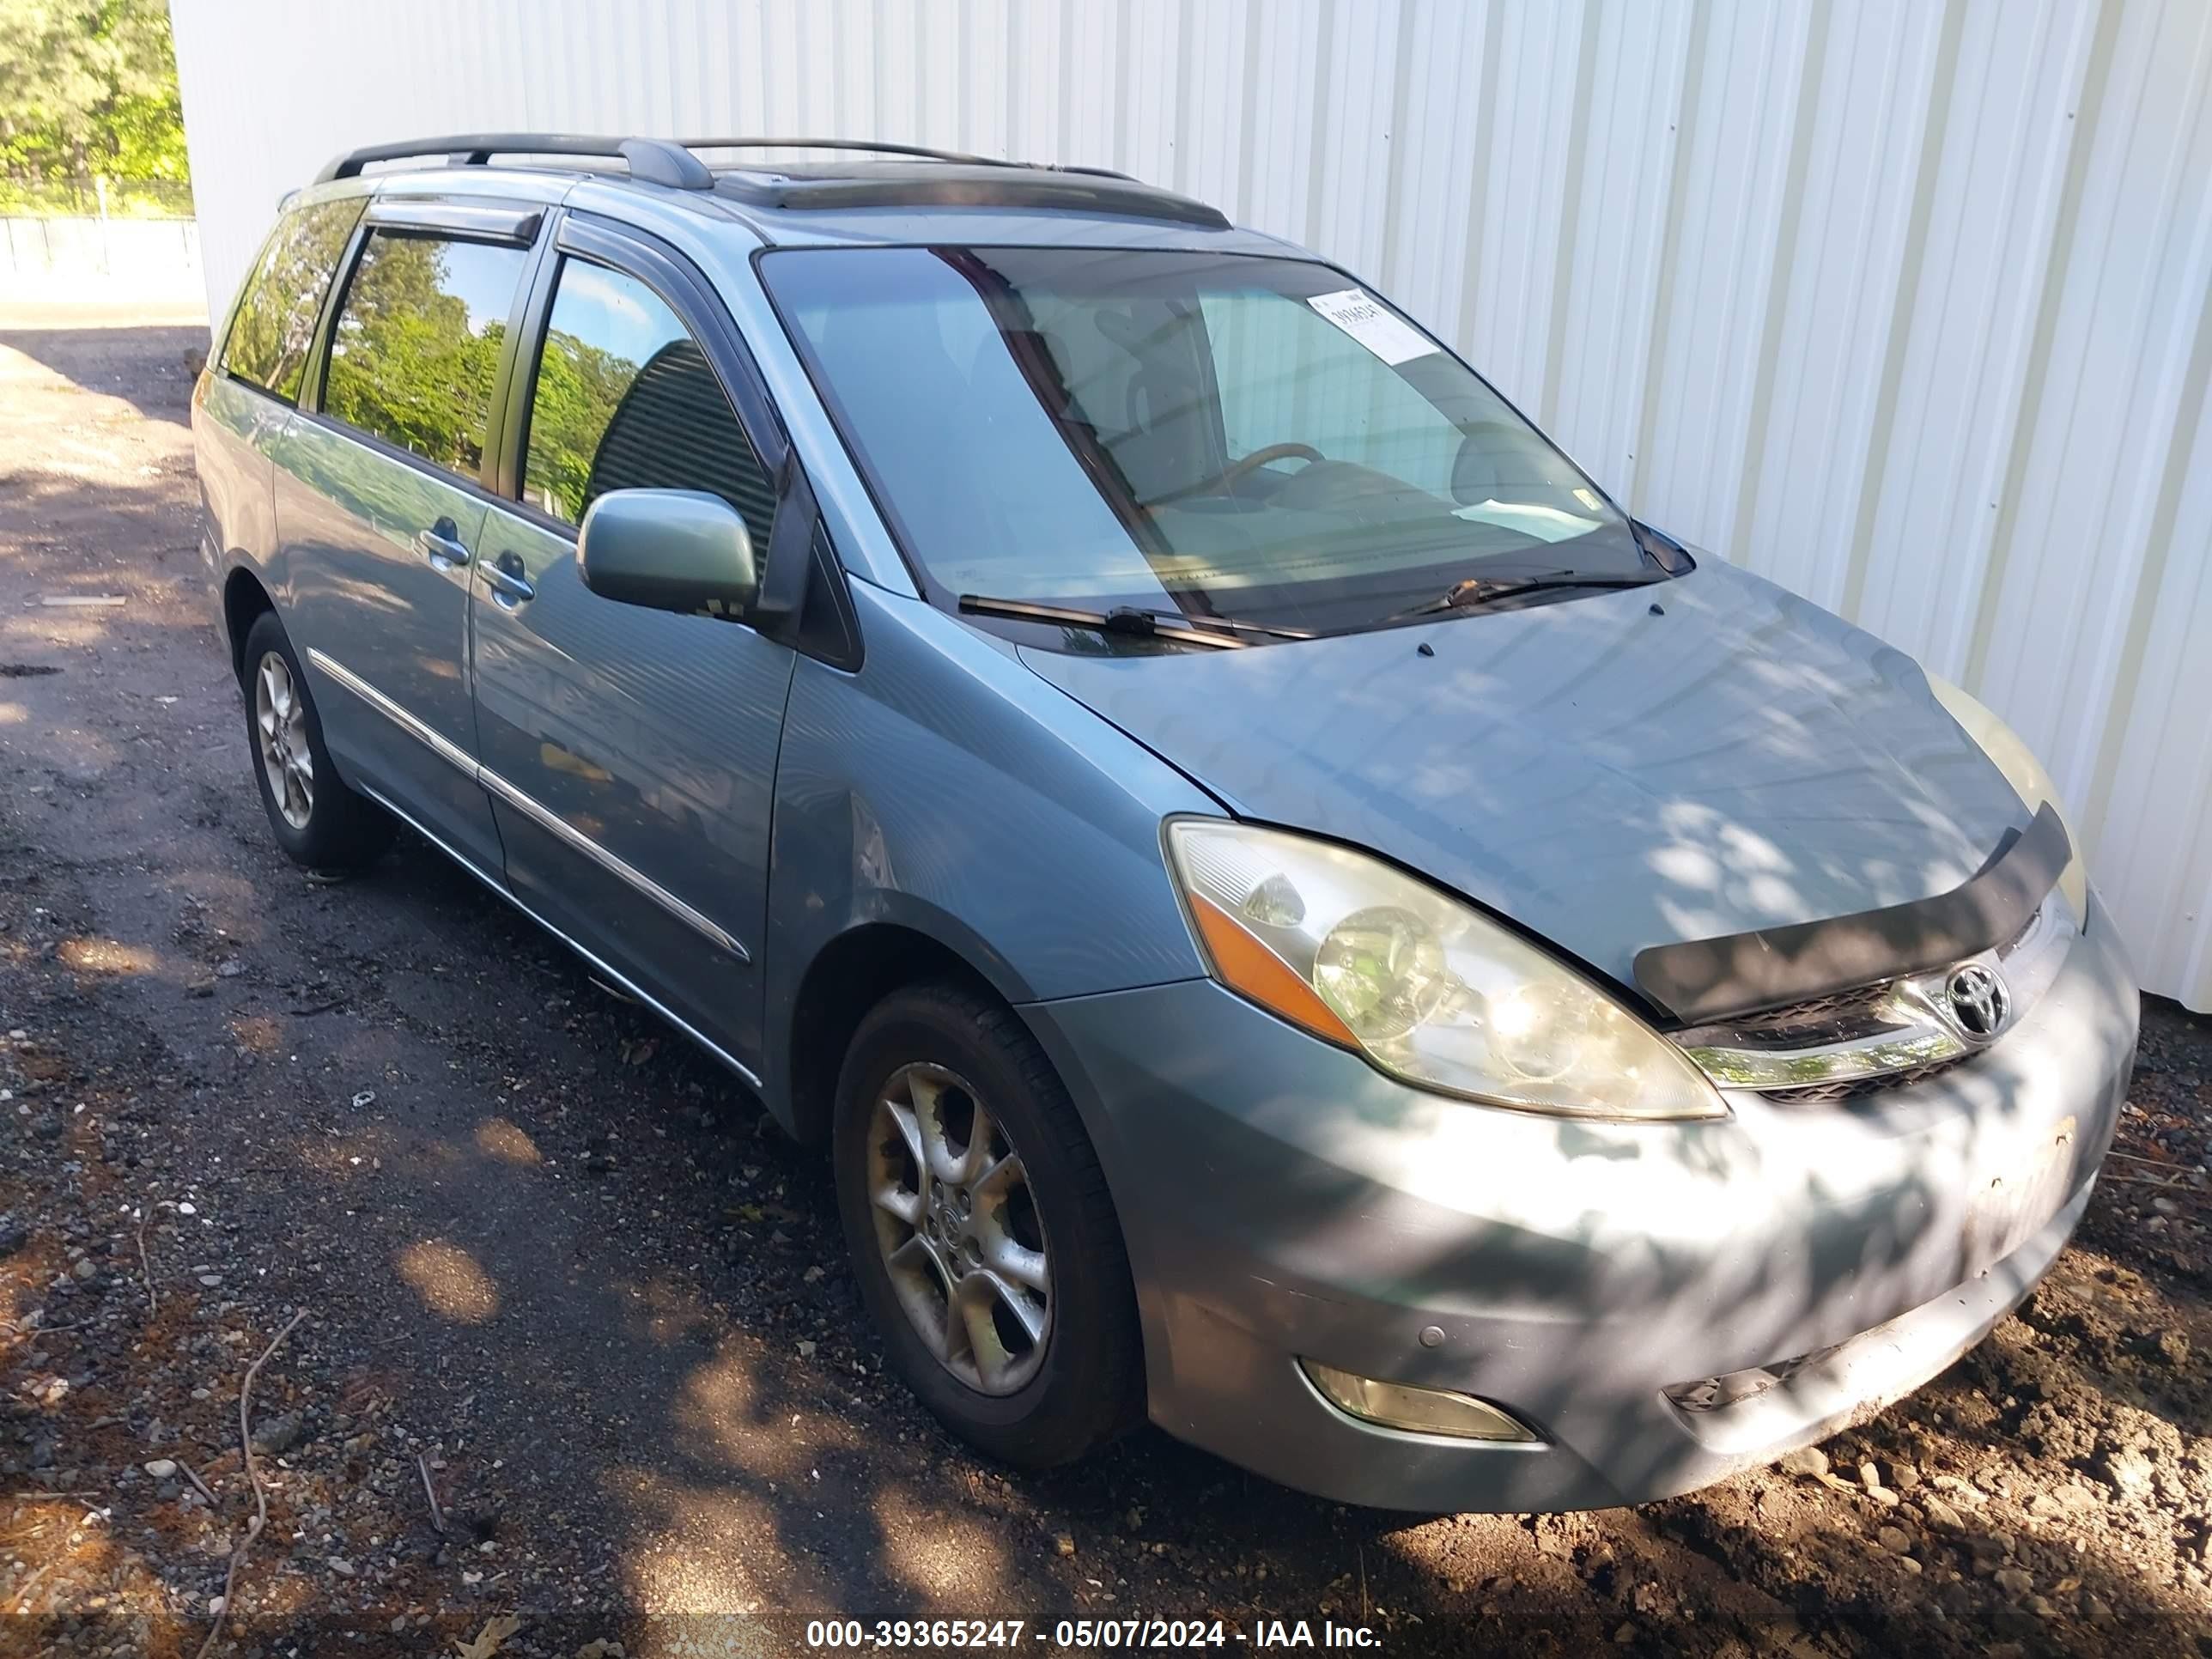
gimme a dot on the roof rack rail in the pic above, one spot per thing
(669, 162)
(656, 161)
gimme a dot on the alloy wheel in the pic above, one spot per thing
(958, 1229)
(280, 721)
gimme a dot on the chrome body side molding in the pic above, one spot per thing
(538, 813)
(555, 824)
(446, 751)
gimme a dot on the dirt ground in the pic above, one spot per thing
(554, 1266)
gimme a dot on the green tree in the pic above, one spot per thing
(90, 87)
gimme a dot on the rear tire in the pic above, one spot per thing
(320, 822)
(993, 1264)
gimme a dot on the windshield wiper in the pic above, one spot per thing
(1128, 619)
(1483, 590)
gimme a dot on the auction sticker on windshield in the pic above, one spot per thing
(1367, 320)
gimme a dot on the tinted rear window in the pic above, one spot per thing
(275, 321)
(415, 349)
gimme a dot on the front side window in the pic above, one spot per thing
(416, 350)
(276, 320)
(1236, 436)
(626, 399)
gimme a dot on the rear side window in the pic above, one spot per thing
(415, 350)
(626, 399)
(275, 321)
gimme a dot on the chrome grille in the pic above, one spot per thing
(1887, 1034)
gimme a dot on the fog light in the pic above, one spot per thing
(1417, 1411)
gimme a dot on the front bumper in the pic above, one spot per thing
(1281, 1199)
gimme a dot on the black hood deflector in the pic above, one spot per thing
(1708, 979)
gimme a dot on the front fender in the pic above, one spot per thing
(947, 789)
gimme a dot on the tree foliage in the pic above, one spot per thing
(579, 387)
(405, 364)
(90, 87)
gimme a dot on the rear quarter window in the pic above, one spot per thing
(275, 321)
(415, 352)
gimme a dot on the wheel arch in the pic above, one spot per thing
(244, 601)
(851, 973)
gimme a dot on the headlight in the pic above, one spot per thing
(1422, 985)
(2027, 776)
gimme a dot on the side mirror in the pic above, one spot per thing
(668, 550)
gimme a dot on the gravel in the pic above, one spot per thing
(556, 1265)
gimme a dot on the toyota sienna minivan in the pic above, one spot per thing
(1289, 912)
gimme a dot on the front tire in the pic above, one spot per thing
(318, 822)
(980, 1230)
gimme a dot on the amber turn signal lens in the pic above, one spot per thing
(1244, 964)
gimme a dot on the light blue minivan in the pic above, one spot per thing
(1289, 912)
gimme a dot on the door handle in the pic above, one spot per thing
(442, 544)
(509, 587)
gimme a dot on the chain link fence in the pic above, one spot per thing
(96, 199)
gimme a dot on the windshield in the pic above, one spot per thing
(1228, 436)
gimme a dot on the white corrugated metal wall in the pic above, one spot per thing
(1902, 302)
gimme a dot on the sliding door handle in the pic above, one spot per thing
(442, 544)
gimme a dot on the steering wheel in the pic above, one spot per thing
(1236, 470)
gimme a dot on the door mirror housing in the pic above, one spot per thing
(668, 550)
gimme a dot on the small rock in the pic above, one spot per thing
(2127, 1470)
(1940, 1514)
(1896, 1541)
(161, 1468)
(339, 1565)
(1624, 1635)
(1808, 1460)
(210, 1279)
(1900, 1474)
(230, 968)
(86, 1268)
(2014, 1581)
(1989, 1553)
(1869, 1477)
(280, 1435)
(2043, 1505)
(1064, 1542)
(806, 1350)
(14, 1234)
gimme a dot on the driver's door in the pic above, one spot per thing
(629, 753)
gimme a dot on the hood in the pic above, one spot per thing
(1702, 757)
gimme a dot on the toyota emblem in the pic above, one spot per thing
(1979, 1001)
